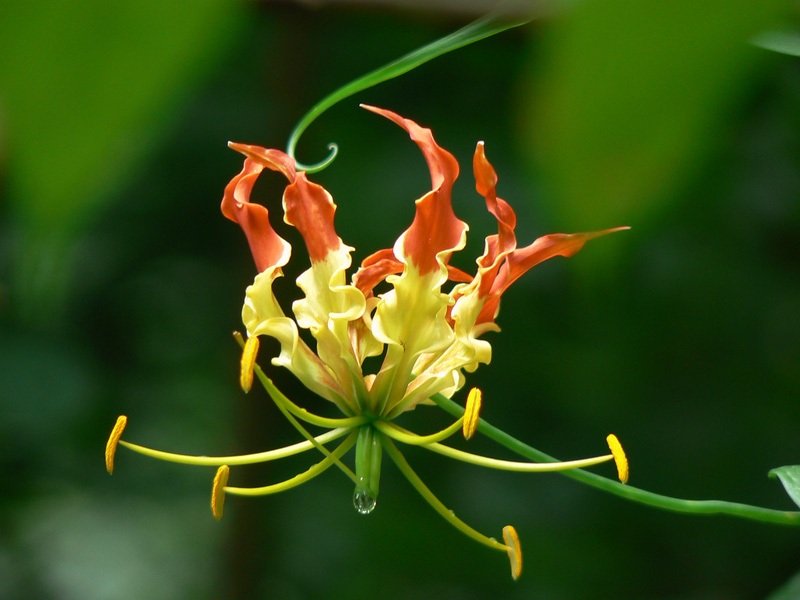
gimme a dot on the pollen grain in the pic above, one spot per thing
(514, 549)
(113, 441)
(218, 491)
(472, 413)
(620, 459)
(249, 355)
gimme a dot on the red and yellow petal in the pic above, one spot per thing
(436, 231)
(517, 263)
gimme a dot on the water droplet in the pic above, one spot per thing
(363, 502)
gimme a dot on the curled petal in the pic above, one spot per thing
(436, 232)
(485, 183)
(262, 315)
(327, 311)
(502, 262)
(523, 259)
(469, 299)
(310, 208)
(274, 160)
(268, 248)
(411, 318)
(330, 304)
(378, 266)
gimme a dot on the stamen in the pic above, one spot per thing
(218, 491)
(304, 432)
(281, 400)
(243, 459)
(407, 437)
(113, 441)
(306, 475)
(509, 465)
(511, 539)
(248, 362)
(472, 413)
(435, 503)
(619, 457)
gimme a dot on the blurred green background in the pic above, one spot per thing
(120, 283)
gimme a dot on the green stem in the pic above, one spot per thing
(368, 460)
(703, 507)
(475, 31)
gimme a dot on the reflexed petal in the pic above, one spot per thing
(502, 262)
(523, 259)
(375, 268)
(262, 315)
(268, 248)
(310, 208)
(329, 307)
(411, 318)
(274, 160)
(436, 231)
(330, 304)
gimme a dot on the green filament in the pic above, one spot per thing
(312, 472)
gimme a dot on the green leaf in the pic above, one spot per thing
(789, 591)
(790, 478)
(82, 86)
(785, 42)
(631, 98)
(86, 89)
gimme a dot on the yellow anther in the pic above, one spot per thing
(113, 440)
(511, 539)
(248, 362)
(472, 413)
(619, 457)
(218, 491)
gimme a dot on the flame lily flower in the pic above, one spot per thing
(428, 336)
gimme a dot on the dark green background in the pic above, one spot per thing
(120, 283)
